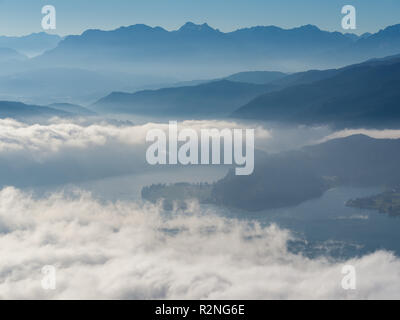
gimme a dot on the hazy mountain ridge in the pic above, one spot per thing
(72, 108)
(7, 54)
(73, 85)
(191, 52)
(22, 111)
(33, 44)
(192, 47)
(211, 99)
(365, 94)
(257, 77)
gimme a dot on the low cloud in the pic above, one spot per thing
(54, 137)
(377, 134)
(63, 151)
(129, 250)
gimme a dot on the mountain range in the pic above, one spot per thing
(116, 64)
(195, 51)
(360, 95)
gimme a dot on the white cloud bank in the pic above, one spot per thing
(61, 152)
(376, 134)
(54, 137)
(130, 251)
(125, 251)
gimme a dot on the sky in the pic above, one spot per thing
(20, 17)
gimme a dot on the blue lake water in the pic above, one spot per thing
(325, 226)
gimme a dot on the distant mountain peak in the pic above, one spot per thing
(140, 27)
(192, 27)
(308, 27)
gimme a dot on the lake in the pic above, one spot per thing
(325, 226)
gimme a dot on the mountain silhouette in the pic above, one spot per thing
(211, 99)
(366, 94)
(22, 111)
(200, 50)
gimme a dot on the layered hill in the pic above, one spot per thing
(212, 99)
(366, 94)
(22, 111)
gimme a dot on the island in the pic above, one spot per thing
(387, 202)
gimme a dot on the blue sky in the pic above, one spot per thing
(18, 17)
